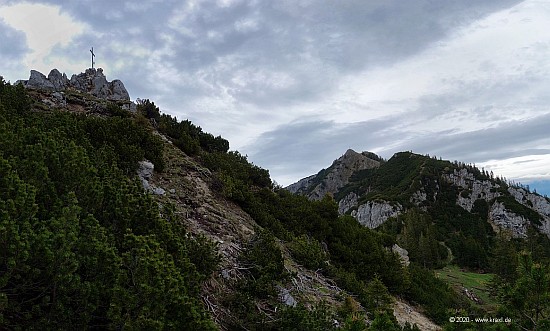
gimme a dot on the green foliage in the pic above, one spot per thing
(185, 135)
(384, 321)
(81, 245)
(299, 318)
(419, 237)
(115, 110)
(265, 261)
(528, 299)
(504, 262)
(203, 254)
(148, 109)
(379, 300)
(236, 174)
(354, 322)
(468, 235)
(13, 99)
(396, 179)
(309, 252)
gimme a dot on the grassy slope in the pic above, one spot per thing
(475, 282)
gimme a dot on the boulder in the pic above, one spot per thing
(118, 91)
(58, 80)
(37, 80)
(403, 254)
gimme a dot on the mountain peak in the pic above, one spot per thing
(92, 81)
(330, 180)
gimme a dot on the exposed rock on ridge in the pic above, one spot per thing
(505, 219)
(92, 81)
(374, 213)
(335, 177)
(499, 216)
(479, 189)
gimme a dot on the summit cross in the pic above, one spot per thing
(93, 55)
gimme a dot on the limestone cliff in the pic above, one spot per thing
(500, 215)
(374, 213)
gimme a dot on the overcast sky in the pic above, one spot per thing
(293, 84)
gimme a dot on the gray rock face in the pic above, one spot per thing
(91, 81)
(159, 191)
(118, 90)
(506, 219)
(39, 81)
(286, 298)
(403, 254)
(348, 202)
(301, 186)
(479, 189)
(498, 214)
(374, 213)
(145, 171)
(538, 203)
(335, 177)
(58, 80)
(371, 214)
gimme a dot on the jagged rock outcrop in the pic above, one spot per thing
(58, 80)
(347, 203)
(422, 191)
(473, 189)
(374, 213)
(39, 81)
(285, 297)
(145, 173)
(505, 219)
(335, 177)
(403, 254)
(92, 81)
(538, 203)
(371, 214)
(301, 186)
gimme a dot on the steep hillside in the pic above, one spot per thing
(449, 213)
(118, 216)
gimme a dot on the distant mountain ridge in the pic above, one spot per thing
(336, 176)
(372, 190)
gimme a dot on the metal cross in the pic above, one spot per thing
(93, 55)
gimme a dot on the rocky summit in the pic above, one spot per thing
(92, 81)
(332, 179)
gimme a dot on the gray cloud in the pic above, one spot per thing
(243, 65)
(297, 150)
(301, 149)
(263, 53)
(12, 47)
(508, 140)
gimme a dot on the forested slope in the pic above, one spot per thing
(85, 246)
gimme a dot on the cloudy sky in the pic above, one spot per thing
(294, 83)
